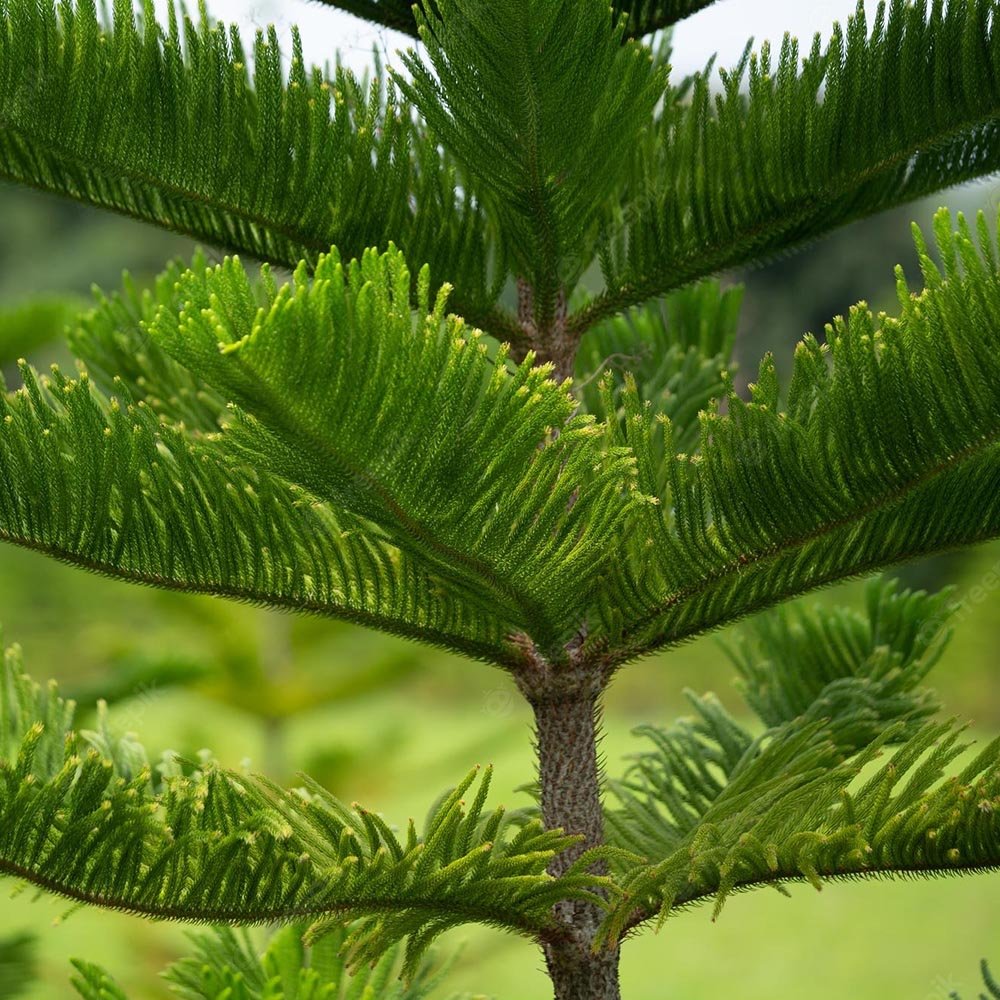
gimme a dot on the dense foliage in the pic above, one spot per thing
(440, 427)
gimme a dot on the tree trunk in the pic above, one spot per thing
(566, 731)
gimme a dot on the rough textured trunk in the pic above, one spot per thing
(566, 729)
(553, 342)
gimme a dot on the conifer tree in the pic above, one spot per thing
(434, 428)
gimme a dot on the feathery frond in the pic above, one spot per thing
(225, 964)
(856, 675)
(667, 790)
(794, 813)
(113, 343)
(647, 16)
(837, 663)
(677, 350)
(533, 122)
(886, 454)
(93, 983)
(394, 14)
(644, 16)
(716, 809)
(875, 120)
(84, 816)
(167, 126)
(481, 473)
(107, 486)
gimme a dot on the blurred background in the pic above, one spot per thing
(390, 723)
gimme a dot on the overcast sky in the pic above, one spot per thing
(723, 27)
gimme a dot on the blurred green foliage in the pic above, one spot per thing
(17, 964)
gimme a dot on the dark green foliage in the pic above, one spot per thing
(141, 502)
(878, 118)
(17, 965)
(888, 453)
(224, 965)
(395, 14)
(84, 815)
(167, 126)
(532, 123)
(647, 16)
(678, 351)
(644, 16)
(335, 443)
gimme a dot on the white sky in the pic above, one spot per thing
(723, 27)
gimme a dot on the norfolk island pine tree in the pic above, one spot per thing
(434, 431)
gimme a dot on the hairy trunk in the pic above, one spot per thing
(566, 730)
(551, 341)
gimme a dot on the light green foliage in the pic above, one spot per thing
(883, 449)
(85, 816)
(317, 370)
(717, 809)
(93, 983)
(875, 119)
(143, 498)
(532, 123)
(224, 965)
(119, 354)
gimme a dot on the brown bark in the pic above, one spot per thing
(554, 343)
(566, 706)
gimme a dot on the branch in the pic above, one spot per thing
(868, 465)
(726, 181)
(483, 475)
(224, 962)
(108, 488)
(531, 126)
(790, 813)
(167, 126)
(644, 16)
(84, 816)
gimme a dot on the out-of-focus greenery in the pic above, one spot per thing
(390, 722)
(17, 964)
